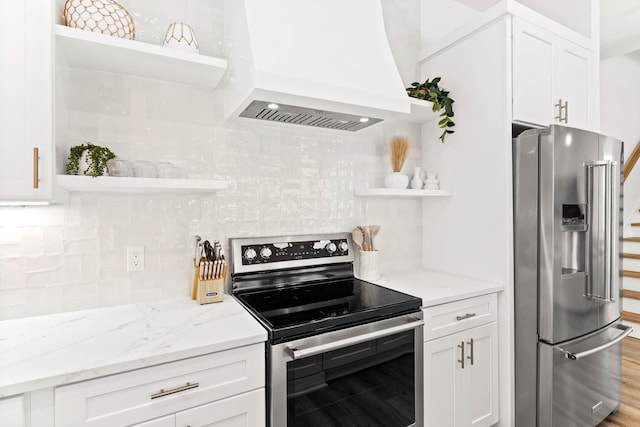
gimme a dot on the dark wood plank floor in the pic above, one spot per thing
(629, 413)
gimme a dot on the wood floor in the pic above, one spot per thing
(629, 414)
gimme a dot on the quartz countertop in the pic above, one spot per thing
(436, 287)
(45, 351)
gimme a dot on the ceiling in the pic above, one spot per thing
(619, 28)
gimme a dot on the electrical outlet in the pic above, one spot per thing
(135, 258)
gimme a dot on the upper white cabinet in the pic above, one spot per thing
(554, 80)
(26, 101)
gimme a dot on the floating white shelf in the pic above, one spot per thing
(95, 51)
(421, 111)
(391, 192)
(110, 184)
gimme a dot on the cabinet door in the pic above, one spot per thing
(12, 412)
(443, 381)
(532, 74)
(26, 100)
(480, 380)
(576, 84)
(243, 410)
(168, 421)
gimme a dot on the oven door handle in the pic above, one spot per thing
(299, 353)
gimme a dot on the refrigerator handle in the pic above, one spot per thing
(626, 330)
(610, 235)
(590, 230)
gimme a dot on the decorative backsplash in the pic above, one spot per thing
(282, 181)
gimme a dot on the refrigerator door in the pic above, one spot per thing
(580, 379)
(568, 248)
(609, 278)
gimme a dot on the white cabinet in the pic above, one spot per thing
(12, 411)
(26, 101)
(554, 80)
(223, 383)
(461, 369)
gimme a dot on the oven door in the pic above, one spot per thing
(367, 375)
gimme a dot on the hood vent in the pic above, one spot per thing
(325, 63)
(306, 116)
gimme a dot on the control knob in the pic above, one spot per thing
(265, 253)
(250, 254)
(331, 247)
(343, 246)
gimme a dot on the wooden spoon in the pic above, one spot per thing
(367, 237)
(358, 237)
(373, 232)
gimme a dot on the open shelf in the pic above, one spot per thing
(110, 184)
(421, 111)
(392, 192)
(95, 51)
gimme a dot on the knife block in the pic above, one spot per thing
(208, 291)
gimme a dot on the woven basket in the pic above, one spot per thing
(99, 16)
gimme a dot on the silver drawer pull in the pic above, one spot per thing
(163, 393)
(466, 316)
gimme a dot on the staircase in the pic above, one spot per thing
(631, 279)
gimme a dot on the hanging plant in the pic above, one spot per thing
(430, 91)
(96, 159)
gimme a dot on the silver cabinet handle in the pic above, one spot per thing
(626, 330)
(560, 118)
(297, 353)
(465, 316)
(461, 347)
(36, 166)
(163, 392)
(470, 357)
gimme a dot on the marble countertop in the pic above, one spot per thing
(45, 351)
(436, 287)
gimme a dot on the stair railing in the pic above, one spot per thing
(631, 162)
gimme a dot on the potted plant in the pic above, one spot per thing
(399, 149)
(88, 159)
(430, 91)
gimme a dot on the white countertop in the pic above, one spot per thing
(436, 287)
(44, 351)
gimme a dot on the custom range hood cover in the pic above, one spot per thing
(324, 63)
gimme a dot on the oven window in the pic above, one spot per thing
(368, 384)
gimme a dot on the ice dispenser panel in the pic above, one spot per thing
(574, 234)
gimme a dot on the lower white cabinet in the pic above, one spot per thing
(247, 409)
(461, 377)
(225, 387)
(12, 411)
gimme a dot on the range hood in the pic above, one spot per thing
(322, 63)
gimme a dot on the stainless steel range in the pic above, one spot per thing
(341, 351)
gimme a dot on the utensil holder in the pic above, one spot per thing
(368, 268)
(207, 291)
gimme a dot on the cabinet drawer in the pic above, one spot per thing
(148, 393)
(453, 317)
(245, 410)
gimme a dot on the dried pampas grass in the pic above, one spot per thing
(399, 151)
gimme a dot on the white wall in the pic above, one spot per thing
(620, 117)
(283, 180)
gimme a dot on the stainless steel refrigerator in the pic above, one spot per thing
(567, 242)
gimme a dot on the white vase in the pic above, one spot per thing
(369, 268)
(84, 162)
(181, 36)
(416, 181)
(396, 180)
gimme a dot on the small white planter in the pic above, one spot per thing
(396, 180)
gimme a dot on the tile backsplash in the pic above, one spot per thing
(282, 180)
